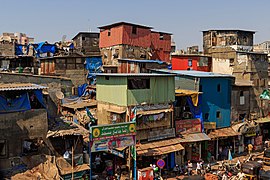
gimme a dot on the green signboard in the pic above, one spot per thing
(113, 130)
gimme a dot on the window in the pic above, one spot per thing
(138, 83)
(109, 32)
(218, 88)
(83, 38)
(190, 62)
(200, 88)
(218, 114)
(161, 37)
(232, 62)
(134, 30)
(242, 98)
(3, 148)
(206, 116)
(107, 77)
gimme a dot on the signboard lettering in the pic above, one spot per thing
(188, 126)
(161, 134)
(113, 130)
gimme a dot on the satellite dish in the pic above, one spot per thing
(59, 95)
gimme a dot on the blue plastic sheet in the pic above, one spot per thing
(18, 49)
(81, 89)
(21, 103)
(196, 110)
(39, 96)
(93, 65)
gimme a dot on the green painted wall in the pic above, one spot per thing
(115, 91)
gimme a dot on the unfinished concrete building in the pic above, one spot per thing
(231, 52)
(87, 43)
(241, 40)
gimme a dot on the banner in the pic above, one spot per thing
(109, 144)
(113, 130)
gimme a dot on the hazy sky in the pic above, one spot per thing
(51, 19)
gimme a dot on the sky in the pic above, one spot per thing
(50, 20)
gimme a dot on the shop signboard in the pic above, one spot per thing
(112, 143)
(188, 126)
(161, 134)
(113, 130)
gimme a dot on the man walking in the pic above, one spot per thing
(250, 147)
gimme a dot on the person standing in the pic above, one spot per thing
(189, 167)
(250, 147)
(198, 168)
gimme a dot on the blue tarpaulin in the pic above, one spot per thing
(81, 89)
(196, 110)
(93, 65)
(43, 47)
(20, 103)
(39, 96)
(18, 49)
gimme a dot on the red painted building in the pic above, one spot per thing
(192, 62)
(133, 41)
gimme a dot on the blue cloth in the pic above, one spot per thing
(43, 47)
(18, 49)
(196, 110)
(93, 65)
(39, 96)
(81, 89)
(21, 103)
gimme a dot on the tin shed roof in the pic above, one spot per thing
(20, 86)
(134, 74)
(192, 73)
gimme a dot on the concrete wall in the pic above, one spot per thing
(54, 84)
(7, 49)
(19, 126)
(236, 108)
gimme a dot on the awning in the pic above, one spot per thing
(224, 132)
(159, 147)
(262, 120)
(117, 110)
(79, 105)
(157, 111)
(193, 94)
(194, 137)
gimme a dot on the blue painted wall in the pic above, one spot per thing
(214, 101)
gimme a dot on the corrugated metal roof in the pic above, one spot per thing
(143, 61)
(20, 86)
(192, 73)
(159, 147)
(236, 30)
(194, 137)
(123, 23)
(224, 132)
(134, 74)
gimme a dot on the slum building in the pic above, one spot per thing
(23, 121)
(152, 95)
(87, 43)
(132, 41)
(232, 53)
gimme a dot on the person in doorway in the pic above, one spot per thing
(249, 147)
(189, 168)
(98, 163)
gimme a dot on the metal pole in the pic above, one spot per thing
(90, 156)
(135, 165)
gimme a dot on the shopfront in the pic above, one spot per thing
(264, 124)
(223, 140)
(190, 134)
(148, 153)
